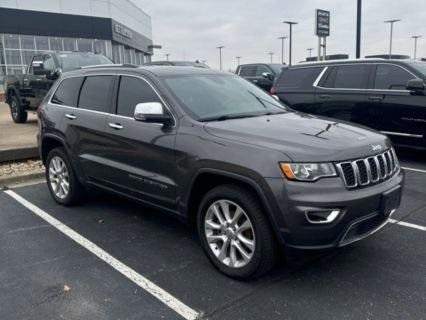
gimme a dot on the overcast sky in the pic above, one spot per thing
(192, 29)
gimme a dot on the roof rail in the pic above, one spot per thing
(125, 65)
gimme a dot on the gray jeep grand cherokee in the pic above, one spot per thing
(215, 150)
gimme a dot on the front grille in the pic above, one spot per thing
(367, 171)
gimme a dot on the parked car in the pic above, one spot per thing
(387, 95)
(261, 74)
(219, 152)
(196, 63)
(25, 92)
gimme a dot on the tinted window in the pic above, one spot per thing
(349, 76)
(133, 91)
(248, 71)
(67, 92)
(94, 93)
(297, 78)
(261, 69)
(391, 77)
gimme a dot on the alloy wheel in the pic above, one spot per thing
(229, 233)
(59, 177)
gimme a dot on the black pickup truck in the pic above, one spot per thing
(25, 92)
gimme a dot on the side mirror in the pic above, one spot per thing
(416, 85)
(152, 112)
(53, 75)
(268, 75)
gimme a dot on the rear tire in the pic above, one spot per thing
(17, 111)
(61, 179)
(238, 254)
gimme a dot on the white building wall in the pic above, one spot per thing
(123, 11)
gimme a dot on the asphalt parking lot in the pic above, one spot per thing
(141, 264)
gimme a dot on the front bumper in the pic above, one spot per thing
(360, 214)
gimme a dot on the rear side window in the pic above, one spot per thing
(133, 91)
(298, 78)
(95, 93)
(67, 92)
(391, 77)
(348, 77)
(248, 71)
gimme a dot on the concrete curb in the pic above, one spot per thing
(16, 154)
(16, 179)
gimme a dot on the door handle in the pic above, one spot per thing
(255, 81)
(116, 126)
(324, 96)
(70, 116)
(375, 98)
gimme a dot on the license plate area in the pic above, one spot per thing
(390, 201)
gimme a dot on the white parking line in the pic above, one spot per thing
(413, 169)
(162, 295)
(407, 224)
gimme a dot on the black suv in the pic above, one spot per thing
(25, 92)
(387, 95)
(214, 149)
(261, 74)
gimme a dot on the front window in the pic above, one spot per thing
(219, 97)
(72, 61)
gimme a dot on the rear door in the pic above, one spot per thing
(85, 126)
(140, 155)
(398, 112)
(341, 93)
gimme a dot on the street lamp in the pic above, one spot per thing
(391, 22)
(167, 56)
(415, 45)
(220, 56)
(282, 47)
(310, 51)
(238, 60)
(271, 54)
(290, 24)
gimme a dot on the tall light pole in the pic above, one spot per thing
(310, 51)
(358, 29)
(238, 60)
(290, 24)
(391, 22)
(282, 47)
(167, 56)
(415, 45)
(220, 56)
(271, 54)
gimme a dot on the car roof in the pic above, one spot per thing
(159, 71)
(349, 61)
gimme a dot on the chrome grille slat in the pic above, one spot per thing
(369, 170)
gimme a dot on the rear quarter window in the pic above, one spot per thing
(67, 92)
(298, 78)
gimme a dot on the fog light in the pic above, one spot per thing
(322, 216)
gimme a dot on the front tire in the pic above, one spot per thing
(61, 179)
(17, 111)
(234, 232)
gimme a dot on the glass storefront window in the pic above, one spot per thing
(27, 42)
(42, 43)
(11, 41)
(99, 46)
(69, 44)
(15, 70)
(27, 56)
(116, 54)
(13, 57)
(55, 44)
(84, 45)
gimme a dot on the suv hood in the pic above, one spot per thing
(303, 137)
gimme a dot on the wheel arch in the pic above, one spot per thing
(48, 143)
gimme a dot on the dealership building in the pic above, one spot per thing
(117, 28)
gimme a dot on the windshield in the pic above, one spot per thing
(277, 68)
(216, 97)
(72, 61)
(421, 67)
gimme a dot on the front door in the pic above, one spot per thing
(141, 156)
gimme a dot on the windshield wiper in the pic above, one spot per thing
(261, 100)
(228, 117)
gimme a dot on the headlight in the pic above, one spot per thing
(307, 171)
